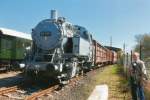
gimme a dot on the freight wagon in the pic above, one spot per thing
(102, 55)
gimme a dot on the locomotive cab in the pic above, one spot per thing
(68, 48)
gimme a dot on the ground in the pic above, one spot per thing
(9, 74)
(110, 75)
(147, 91)
(10, 79)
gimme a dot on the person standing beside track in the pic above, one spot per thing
(137, 76)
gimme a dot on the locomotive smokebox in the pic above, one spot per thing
(54, 15)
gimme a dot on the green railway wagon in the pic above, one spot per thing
(13, 46)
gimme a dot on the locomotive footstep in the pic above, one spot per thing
(20, 91)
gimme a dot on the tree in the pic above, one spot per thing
(144, 41)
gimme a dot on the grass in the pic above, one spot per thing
(111, 75)
(147, 94)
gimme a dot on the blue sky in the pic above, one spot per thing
(121, 19)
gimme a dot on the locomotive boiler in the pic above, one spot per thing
(60, 49)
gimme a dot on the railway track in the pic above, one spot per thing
(42, 92)
(17, 88)
(8, 90)
(36, 94)
(49, 90)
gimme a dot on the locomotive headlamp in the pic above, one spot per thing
(67, 65)
(22, 65)
(56, 67)
(37, 66)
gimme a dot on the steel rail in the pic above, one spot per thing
(41, 93)
(7, 90)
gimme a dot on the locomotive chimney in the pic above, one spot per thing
(54, 15)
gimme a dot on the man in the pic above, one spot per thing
(137, 77)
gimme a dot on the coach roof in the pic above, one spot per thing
(14, 33)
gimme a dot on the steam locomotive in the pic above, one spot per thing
(63, 50)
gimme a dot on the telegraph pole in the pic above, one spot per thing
(124, 47)
(124, 57)
(140, 50)
(124, 51)
(127, 64)
(131, 55)
(110, 41)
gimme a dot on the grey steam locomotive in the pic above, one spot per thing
(60, 49)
